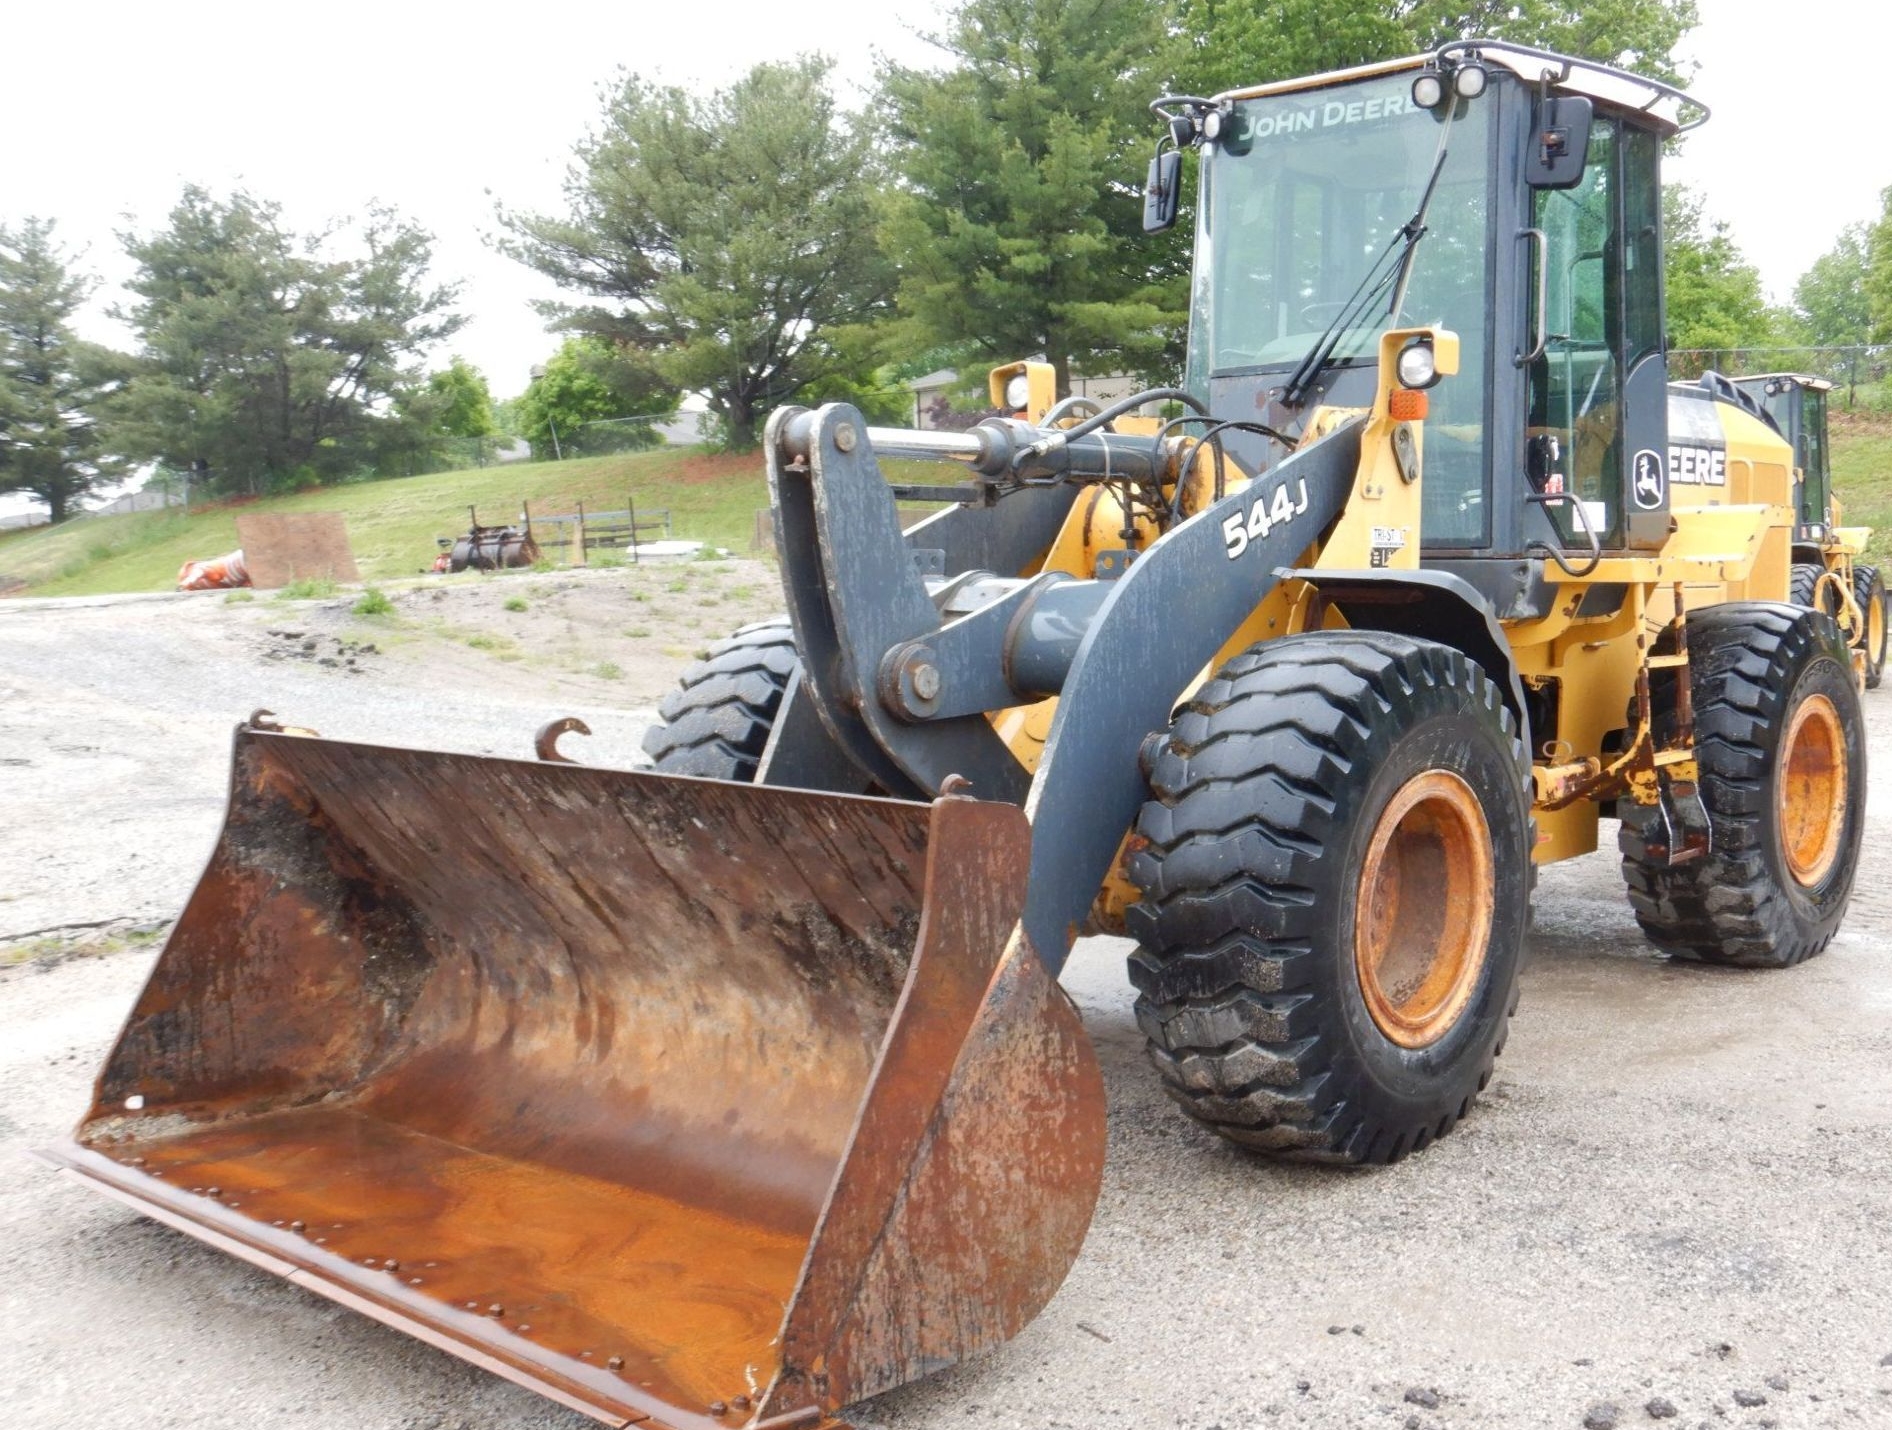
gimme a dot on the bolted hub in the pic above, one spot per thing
(911, 681)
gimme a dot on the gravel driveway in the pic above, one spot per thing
(1676, 1197)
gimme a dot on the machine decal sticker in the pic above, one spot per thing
(1648, 485)
(1267, 512)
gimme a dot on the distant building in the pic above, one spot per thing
(683, 430)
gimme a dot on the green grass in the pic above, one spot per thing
(374, 602)
(392, 524)
(308, 588)
(515, 603)
(1862, 477)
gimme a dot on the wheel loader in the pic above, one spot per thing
(1827, 571)
(739, 1089)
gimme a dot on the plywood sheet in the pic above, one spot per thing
(306, 546)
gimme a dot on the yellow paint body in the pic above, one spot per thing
(1727, 543)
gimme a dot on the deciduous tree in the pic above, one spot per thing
(1830, 298)
(1715, 299)
(53, 386)
(574, 398)
(726, 235)
(464, 403)
(1878, 280)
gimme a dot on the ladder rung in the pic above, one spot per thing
(1667, 662)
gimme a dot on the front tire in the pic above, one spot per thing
(716, 724)
(1780, 746)
(1335, 875)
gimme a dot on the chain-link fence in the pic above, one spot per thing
(1859, 374)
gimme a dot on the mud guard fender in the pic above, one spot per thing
(1427, 605)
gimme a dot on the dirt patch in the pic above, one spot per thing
(703, 467)
(616, 633)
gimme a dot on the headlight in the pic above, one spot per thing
(1212, 125)
(1428, 89)
(1017, 392)
(1469, 81)
(1416, 366)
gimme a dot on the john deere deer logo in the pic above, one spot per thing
(1647, 486)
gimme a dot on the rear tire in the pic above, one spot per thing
(1780, 744)
(717, 723)
(1317, 774)
(1869, 592)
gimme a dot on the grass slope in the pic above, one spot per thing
(1862, 476)
(392, 524)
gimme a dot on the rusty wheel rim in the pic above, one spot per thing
(1424, 909)
(1810, 799)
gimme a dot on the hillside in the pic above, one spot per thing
(392, 524)
(1862, 476)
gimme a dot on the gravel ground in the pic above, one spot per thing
(1676, 1196)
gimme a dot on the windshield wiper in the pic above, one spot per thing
(1393, 267)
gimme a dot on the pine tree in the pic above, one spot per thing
(268, 355)
(724, 239)
(1018, 227)
(53, 386)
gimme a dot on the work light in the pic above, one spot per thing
(1428, 89)
(1416, 365)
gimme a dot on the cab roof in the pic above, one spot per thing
(1674, 110)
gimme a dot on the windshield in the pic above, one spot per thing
(1307, 190)
(1297, 204)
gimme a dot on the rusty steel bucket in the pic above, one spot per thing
(685, 1103)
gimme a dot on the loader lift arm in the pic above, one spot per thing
(903, 690)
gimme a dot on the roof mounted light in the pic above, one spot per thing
(1428, 89)
(1469, 80)
(1212, 125)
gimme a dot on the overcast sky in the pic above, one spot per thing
(107, 110)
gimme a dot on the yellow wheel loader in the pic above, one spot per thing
(1827, 570)
(734, 1091)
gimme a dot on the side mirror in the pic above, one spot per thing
(1559, 143)
(1162, 190)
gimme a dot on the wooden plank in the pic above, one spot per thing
(281, 547)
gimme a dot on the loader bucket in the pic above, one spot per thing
(685, 1103)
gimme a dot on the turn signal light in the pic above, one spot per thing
(1407, 405)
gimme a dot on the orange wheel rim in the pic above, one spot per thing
(1810, 798)
(1875, 630)
(1422, 918)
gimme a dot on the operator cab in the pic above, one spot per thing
(1506, 194)
(1794, 404)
